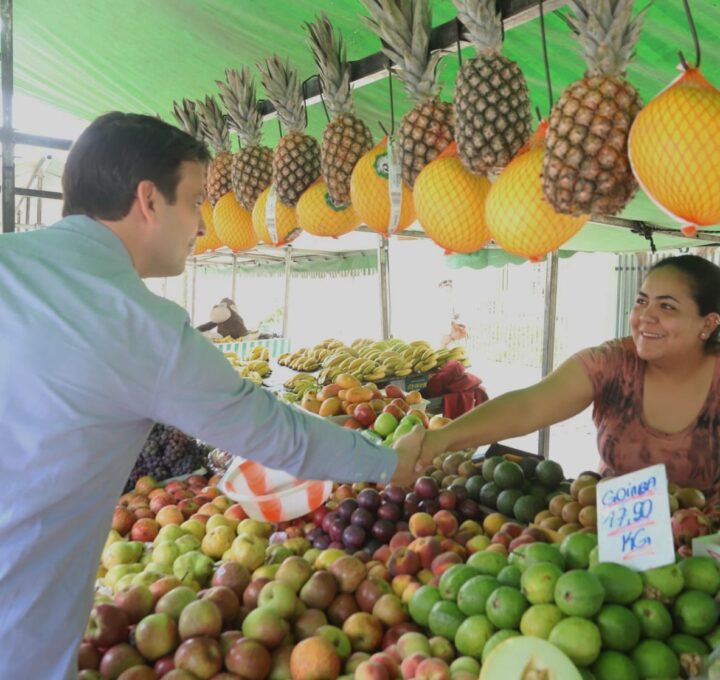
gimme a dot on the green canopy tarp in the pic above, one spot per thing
(91, 56)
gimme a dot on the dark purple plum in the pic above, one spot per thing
(426, 488)
(346, 508)
(390, 511)
(383, 530)
(369, 499)
(354, 537)
(362, 518)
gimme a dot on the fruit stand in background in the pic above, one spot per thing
(483, 569)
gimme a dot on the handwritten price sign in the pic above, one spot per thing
(634, 519)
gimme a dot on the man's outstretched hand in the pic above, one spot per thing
(410, 463)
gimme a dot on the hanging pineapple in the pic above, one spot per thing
(319, 215)
(450, 204)
(519, 217)
(404, 28)
(233, 224)
(296, 162)
(251, 170)
(186, 116)
(492, 105)
(370, 192)
(586, 167)
(208, 241)
(675, 150)
(215, 131)
(346, 137)
(285, 217)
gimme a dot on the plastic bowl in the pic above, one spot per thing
(271, 495)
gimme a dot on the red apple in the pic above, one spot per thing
(164, 665)
(342, 607)
(365, 632)
(118, 659)
(142, 672)
(232, 575)
(249, 659)
(401, 404)
(156, 636)
(160, 500)
(394, 392)
(136, 601)
(314, 659)
(123, 519)
(395, 411)
(145, 529)
(202, 617)
(236, 511)
(88, 657)
(108, 626)
(199, 655)
(364, 414)
(370, 591)
(403, 561)
(226, 600)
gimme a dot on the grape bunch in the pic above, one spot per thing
(168, 452)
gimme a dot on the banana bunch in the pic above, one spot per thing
(253, 376)
(259, 353)
(454, 354)
(310, 359)
(262, 367)
(299, 384)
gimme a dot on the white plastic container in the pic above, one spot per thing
(271, 495)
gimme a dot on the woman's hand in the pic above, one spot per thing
(408, 449)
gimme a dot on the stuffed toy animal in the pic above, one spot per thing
(224, 317)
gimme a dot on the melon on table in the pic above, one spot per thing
(528, 658)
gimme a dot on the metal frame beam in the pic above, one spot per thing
(8, 146)
(443, 38)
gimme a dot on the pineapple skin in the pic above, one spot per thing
(296, 165)
(345, 139)
(586, 169)
(251, 173)
(219, 181)
(492, 109)
(424, 132)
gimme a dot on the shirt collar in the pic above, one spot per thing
(95, 231)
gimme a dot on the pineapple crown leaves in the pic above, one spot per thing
(483, 23)
(212, 122)
(284, 90)
(608, 33)
(331, 59)
(404, 28)
(187, 118)
(239, 96)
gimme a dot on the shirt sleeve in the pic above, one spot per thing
(200, 393)
(600, 363)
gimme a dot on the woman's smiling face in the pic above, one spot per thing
(665, 321)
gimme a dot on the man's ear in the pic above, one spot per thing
(146, 194)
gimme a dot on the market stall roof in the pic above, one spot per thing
(87, 57)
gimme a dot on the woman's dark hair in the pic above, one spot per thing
(703, 278)
(117, 152)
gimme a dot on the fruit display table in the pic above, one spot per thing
(482, 569)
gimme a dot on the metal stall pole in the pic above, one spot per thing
(8, 143)
(286, 307)
(384, 271)
(551, 279)
(234, 278)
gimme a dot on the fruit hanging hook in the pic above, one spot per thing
(693, 32)
(545, 54)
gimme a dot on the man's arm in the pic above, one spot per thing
(200, 393)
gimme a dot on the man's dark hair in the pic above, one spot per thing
(703, 278)
(117, 152)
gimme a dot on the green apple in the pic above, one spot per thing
(248, 551)
(170, 532)
(193, 565)
(165, 553)
(384, 424)
(279, 597)
(410, 419)
(187, 543)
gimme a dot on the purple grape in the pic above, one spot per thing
(321, 542)
(394, 494)
(469, 509)
(346, 508)
(461, 493)
(353, 536)
(369, 499)
(337, 528)
(383, 530)
(390, 511)
(362, 518)
(429, 505)
(426, 488)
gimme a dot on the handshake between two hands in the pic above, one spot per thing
(415, 452)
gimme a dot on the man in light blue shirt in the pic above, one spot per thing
(89, 359)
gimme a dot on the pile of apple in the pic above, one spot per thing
(384, 413)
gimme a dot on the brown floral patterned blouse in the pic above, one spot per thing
(626, 443)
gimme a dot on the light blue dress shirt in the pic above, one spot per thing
(89, 359)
